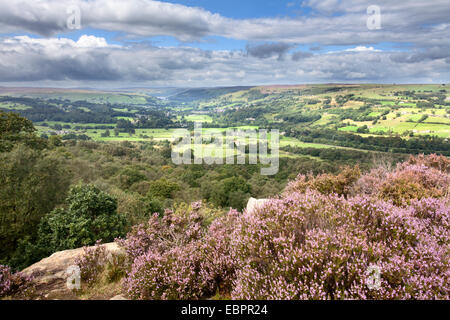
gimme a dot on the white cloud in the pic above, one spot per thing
(86, 41)
(362, 49)
(92, 60)
(420, 25)
(403, 21)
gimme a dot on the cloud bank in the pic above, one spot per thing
(418, 34)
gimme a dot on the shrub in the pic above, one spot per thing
(420, 177)
(91, 215)
(117, 267)
(154, 205)
(166, 262)
(307, 243)
(162, 189)
(96, 263)
(173, 274)
(130, 176)
(16, 285)
(91, 263)
(369, 183)
(230, 192)
(437, 162)
(327, 183)
(311, 246)
(179, 256)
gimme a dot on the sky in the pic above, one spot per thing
(204, 43)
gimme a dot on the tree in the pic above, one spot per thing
(154, 205)
(231, 192)
(55, 141)
(162, 189)
(15, 129)
(91, 215)
(12, 123)
(32, 185)
(106, 134)
(130, 176)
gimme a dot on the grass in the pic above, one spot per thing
(349, 128)
(198, 118)
(11, 106)
(435, 119)
(288, 141)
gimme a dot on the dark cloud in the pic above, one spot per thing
(419, 24)
(434, 53)
(91, 59)
(299, 55)
(422, 25)
(268, 50)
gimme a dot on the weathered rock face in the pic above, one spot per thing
(51, 273)
(253, 203)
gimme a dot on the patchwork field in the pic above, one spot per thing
(367, 111)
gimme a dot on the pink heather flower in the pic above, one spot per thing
(307, 244)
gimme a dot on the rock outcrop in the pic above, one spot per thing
(51, 275)
(253, 203)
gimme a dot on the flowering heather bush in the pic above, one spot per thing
(421, 177)
(414, 182)
(95, 264)
(219, 261)
(179, 256)
(311, 246)
(307, 244)
(369, 183)
(440, 163)
(91, 263)
(326, 183)
(166, 262)
(17, 285)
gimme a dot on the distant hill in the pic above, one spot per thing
(191, 95)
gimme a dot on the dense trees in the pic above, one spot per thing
(32, 184)
(395, 144)
(86, 112)
(33, 181)
(89, 215)
(15, 129)
(302, 117)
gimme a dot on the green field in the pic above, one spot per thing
(199, 118)
(366, 110)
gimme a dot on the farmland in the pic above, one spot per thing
(407, 112)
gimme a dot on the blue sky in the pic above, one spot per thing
(237, 9)
(242, 9)
(213, 43)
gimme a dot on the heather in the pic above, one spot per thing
(181, 255)
(310, 246)
(99, 267)
(315, 241)
(15, 285)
